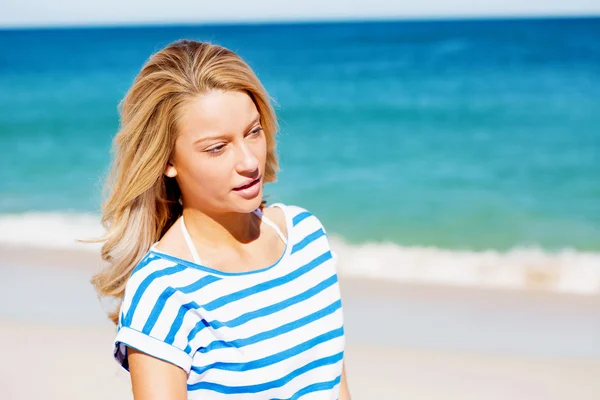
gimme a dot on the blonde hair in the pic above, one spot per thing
(142, 203)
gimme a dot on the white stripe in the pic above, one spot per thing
(275, 294)
(156, 264)
(152, 293)
(226, 287)
(260, 301)
(316, 375)
(278, 369)
(254, 351)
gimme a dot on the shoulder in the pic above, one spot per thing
(151, 306)
(277, 214)
(150, 268)
(306, 231)
(309, 228)
(284, 213)
(297, 217)
(151, 278)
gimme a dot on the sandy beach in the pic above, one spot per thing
(405, 341)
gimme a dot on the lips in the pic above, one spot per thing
(248, 185)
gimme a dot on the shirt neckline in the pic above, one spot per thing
(191, 264)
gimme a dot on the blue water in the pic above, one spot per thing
(455, 134)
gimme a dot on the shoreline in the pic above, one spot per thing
(555, 279)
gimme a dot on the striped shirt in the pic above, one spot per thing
(273, 333)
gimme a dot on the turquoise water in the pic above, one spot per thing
(455, 134)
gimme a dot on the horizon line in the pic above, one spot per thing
(298, 21)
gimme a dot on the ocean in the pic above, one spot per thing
(410, 140)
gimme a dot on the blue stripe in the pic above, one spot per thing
(261, 312)
(242, 319)
(199, 284)
(307, 240)
(290, 326)
(197, 328)
(274, 358)
(121, 320)
(144, 285)
(157, 309)
(167, 293)
(143, 262)
(179, 320)
(221, 301)
(300, 217)
(215, 387)
(315, 387)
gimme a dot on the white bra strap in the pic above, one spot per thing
(257, 212)
(267, 221)
(189, 242)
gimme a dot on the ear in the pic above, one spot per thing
(170, 171)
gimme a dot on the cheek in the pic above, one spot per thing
(210, 173)
(260, 150)
(202, 173)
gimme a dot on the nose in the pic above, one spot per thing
(247, 161)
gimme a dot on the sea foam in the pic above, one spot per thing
(565, 270)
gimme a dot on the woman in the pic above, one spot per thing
(221, 296)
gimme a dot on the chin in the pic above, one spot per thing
(248, 205)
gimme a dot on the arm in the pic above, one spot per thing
(155, 379)
(344, 392)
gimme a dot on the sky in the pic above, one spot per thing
(14, 13)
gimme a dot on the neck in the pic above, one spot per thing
(221, 229)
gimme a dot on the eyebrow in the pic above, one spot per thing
(221, 136)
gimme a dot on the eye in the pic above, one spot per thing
(256, 131)
(216, 150)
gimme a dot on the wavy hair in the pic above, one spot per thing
(141, 203)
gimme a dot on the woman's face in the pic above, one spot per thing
(220, 153)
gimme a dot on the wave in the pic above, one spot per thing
(50, 230)
(566, 270)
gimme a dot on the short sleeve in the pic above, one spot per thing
(308, 227)
(156, 318)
